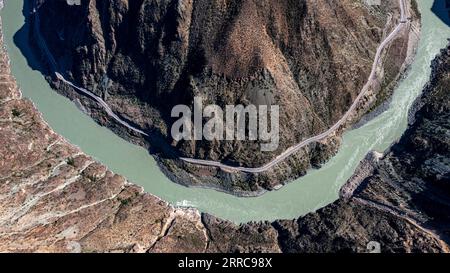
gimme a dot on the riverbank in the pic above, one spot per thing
(382, 103)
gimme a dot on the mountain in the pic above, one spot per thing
(311, 58)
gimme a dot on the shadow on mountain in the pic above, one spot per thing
(24, 44)
(441, 8)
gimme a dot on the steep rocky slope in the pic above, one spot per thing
(311, 58)
(54, 198)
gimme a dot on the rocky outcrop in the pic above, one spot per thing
(311, 58)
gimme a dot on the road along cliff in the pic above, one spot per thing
(324, 69)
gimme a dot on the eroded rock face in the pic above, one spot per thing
(143, 57)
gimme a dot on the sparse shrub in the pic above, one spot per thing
(15, 112)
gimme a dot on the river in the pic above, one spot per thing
(306, 194)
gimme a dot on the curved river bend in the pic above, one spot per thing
(317, 189)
